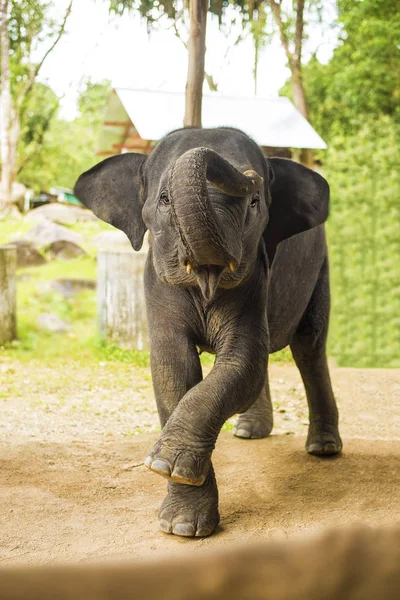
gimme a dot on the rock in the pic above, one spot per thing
(55, 212)
(46, 232)
(83, 214)
(28, 255)
(69, 287)
(117, 240)
(64, 250)
(113, 239)
(64, 214)
(51, 322)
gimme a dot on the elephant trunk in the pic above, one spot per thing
(208, 238)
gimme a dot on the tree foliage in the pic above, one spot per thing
(26, 27)
(68, 147)
(363, 76)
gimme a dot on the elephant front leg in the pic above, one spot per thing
(183, 452)
(257, 421)
(187, 510)
(191, 511)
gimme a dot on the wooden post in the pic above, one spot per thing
(121, 302)
(8, 302)
(196, 58)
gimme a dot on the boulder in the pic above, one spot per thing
(83, 214)
(46, 232)
(113, 239)
(28, 255)
(64, 214)
(64, 250)
(57, 213)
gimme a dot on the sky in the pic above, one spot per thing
(120, 49)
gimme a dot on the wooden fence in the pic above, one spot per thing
(8, 304)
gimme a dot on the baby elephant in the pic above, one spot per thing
(238, 267)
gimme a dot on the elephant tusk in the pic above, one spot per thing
(188, 268)
(232, 267)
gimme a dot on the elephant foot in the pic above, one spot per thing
(254, 428)
(323, 437)
(190, 511)
(182, 464)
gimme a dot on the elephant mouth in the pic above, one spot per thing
(208, 278)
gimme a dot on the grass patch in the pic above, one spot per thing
(113, 353)
(228, 426)
(282, 357)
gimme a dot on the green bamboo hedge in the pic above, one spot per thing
(364, 246)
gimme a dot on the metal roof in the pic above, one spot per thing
(139, 115)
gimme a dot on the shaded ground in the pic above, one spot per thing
(73, 487)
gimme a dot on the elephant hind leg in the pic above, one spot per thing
(308, 347)
(257, 421)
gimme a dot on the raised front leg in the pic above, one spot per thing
(184, 449)
(309, 351)
(257, 421)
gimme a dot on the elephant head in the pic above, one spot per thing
(209, 215)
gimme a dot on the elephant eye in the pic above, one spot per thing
(255, 200)
(164, 198)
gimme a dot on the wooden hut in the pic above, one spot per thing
(136, 119)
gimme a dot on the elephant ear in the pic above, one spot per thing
(114, 190)
(299, 201)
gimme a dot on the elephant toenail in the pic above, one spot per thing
(161, 467)
(204, 531)
(184, 529)
(165, 526)
(243, 433)
(331, 448)
(315, 448)
(187, 477)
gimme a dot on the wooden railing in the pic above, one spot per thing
(8, 303)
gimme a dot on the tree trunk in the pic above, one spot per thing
(8, 320)
(299, 96)
(255, 68)
(197, 51)
(6, 112)
(121, 302)
(300, 102)
(294, 60)
(15, 132)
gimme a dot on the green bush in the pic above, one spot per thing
(364, 244)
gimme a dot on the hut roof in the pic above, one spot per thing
(134, 118)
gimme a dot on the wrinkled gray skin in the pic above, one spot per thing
(227, 226)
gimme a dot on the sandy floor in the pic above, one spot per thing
(73, 486)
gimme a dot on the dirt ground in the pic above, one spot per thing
(73, 486)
